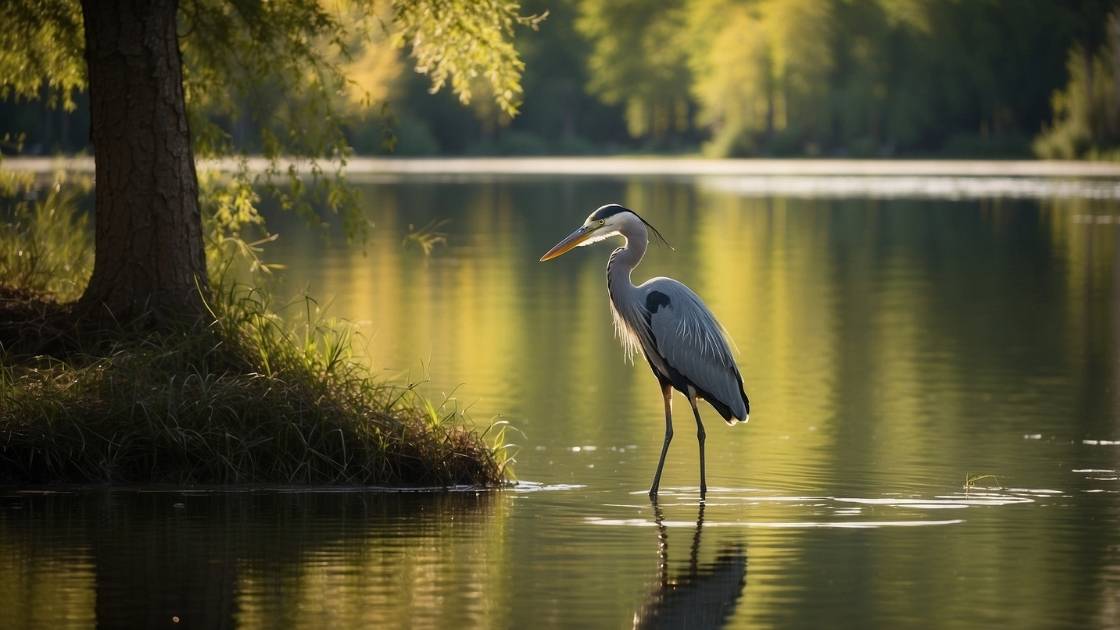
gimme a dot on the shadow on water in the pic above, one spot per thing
(703, 595)
(139, 559)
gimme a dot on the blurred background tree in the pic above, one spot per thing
(1087, 111)
(936, 78)
(638, 60)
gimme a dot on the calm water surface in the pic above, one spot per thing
(892, 346)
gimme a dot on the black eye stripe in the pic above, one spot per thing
(608, 211)
(612, 209)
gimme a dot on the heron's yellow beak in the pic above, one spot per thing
(571, 241)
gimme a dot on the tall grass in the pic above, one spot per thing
(258, 393)
(45, 244)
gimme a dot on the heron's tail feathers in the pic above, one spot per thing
(743, 413)
(733, 420)
(738, 412)
(734, 411)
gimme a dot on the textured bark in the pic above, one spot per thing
(149, 257)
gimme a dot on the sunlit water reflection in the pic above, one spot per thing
(934, 436)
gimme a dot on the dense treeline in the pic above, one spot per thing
(734, 77)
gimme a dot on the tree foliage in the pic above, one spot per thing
(41, 51)
(639, 61)
(740, 77)
(462, 42)
(207, 66)
(278, 67)
(846, 77)
(764, 71)
(874, 76)
(1087, 110)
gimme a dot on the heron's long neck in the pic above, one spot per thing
(629, 325)
(623, 261)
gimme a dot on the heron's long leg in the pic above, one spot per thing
(700, 436)
(667, 392)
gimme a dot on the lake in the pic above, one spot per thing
(933, 365)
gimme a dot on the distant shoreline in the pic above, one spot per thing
(683, 166)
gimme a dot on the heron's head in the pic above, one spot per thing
(605, 222)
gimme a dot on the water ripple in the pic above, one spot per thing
(642, 522)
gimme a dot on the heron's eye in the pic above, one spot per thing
(602, 222)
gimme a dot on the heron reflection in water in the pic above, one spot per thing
(704, 596)
(685, 346)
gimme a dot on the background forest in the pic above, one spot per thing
(836, 78)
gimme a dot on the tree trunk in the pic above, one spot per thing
(149, 259)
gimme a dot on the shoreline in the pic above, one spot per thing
(623, 165)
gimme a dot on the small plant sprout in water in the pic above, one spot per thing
(504, 451)
(428, 237)
(971, 482)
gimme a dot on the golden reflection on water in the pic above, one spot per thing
(42, 586)
(866, 327)
(886, 345)
(412, 570)
(890, 348)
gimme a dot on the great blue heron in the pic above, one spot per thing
(684, 344)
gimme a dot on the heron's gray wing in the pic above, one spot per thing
(693, 343)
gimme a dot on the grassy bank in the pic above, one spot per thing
(247, 396)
